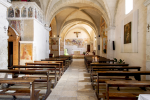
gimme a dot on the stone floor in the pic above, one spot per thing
(74, 84)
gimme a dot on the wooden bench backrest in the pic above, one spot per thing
(50, 62)
(107, 64)
(42, 63)
(24, 66)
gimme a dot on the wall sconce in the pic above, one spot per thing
(95, 38)
(148, 27)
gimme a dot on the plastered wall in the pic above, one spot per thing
(3, 36)
(41, 41)
(28, 30)
(134, 59)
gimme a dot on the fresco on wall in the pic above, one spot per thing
(26, 51)
(30, 12)
(17, 12)
(80, 43)
(105, 45)
(103, 33)
(103, 30)
(54, 42)
(54, 45)
(10, 12)
(23, 12)
(16, 24)
(35, 14)
(127, 33)
(61, 45)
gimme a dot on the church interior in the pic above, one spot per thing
(74, 49)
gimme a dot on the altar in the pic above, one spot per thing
(76, 52)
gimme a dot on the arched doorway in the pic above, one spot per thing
(13, 47)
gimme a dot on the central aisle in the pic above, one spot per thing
(74, 84)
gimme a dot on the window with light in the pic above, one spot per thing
(128, 6)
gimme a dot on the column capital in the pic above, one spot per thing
(55, 37)
(110, 28)
(147, 3)
(48, 28)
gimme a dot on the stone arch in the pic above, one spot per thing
(82, 28)
(70, 22)
(60, 4)
(15, 33)
(14, 38)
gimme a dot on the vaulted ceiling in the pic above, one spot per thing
(78, 13)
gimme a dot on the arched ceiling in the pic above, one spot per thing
(77, 14)
(106, 7)
(37, 2)
(86, 28)
(68, 13)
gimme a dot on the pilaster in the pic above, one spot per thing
(110, 37)
(147, 4)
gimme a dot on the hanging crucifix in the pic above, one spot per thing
(77, 33)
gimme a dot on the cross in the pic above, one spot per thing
(77, 33)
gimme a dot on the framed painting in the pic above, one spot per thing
(127, 33)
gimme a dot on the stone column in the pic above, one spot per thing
(55, 46)
(27, 11)
(33, 13)
(110, 38)
(147, 4)
(20, 12)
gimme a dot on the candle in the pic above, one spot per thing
(96, 59)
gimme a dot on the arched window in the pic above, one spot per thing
(128, 6)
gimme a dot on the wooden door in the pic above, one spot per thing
(10, 54)
(88, 48)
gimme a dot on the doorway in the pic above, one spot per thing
(88, 48)
(10, 54)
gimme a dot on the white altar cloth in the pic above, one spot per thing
(144, 97)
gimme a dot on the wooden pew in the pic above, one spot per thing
(34, 94)
(52, 62)
(125, 96)
(66, 56)
(16, 73)
(136, 74)
(106, 67)
(65, 61)
(58, 66)
(49, 68)
(110, 68)
(89, 60)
